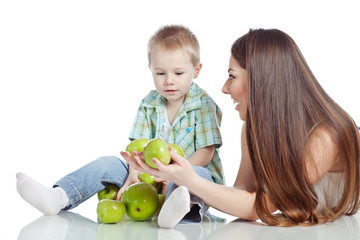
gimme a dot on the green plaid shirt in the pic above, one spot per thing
(196, 125)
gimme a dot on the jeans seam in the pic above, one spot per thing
(77, 193)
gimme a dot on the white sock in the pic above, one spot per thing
(49, 201)
(174, 208)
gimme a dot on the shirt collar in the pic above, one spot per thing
(192, 99)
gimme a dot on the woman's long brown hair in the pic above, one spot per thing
(285, 103)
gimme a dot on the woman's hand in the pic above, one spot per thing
(179, 172)
(132, 178)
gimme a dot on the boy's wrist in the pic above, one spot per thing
(133, 172)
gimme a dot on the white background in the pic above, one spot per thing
(73, 73)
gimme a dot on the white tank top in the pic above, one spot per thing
(329, 189)
(166, 128)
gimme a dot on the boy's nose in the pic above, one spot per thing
(169, 80)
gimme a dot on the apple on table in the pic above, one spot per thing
(147, 178)
(110, 211)
(161, 197)
(141, 201)
(109, 192)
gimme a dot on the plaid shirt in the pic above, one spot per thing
(196, 125)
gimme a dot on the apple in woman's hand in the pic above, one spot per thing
(177, 149)
(156, 148)
(137, 145)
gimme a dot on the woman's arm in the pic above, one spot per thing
(231, 200)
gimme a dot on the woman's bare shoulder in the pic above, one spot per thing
(321, 153)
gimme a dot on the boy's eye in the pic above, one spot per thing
(179, 73)
(160, 73)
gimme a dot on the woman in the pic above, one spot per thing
(300, 150)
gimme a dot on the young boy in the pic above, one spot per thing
(178, 111)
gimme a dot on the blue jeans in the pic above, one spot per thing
(90, 179)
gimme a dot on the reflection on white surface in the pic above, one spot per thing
(346, 227)
(65, 225)
(69, 225)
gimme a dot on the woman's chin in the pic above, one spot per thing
(242, 117)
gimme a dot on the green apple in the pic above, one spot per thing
(137, 145)
(161, 197)
(147, 178)
(156, 148)
(141, 201)
(110, 211)
(177, 149)
(109, 192)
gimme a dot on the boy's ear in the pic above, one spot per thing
(197, 70)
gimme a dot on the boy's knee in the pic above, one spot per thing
(198, 168)
(109, 161)
(106, 159)
(203, 172)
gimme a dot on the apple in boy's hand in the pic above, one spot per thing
(177, 149)
(147, 178)
(136, 145)
(110, 211)
(109, 192)
(141, 201)
(156, 148)
(161, 197)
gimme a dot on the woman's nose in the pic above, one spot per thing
(225, 88)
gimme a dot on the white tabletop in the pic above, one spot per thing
(216, 225)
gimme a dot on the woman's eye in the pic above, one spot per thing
(231, 76)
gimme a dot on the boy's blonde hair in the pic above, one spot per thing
(174, 38)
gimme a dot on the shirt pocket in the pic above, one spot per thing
(185, 138)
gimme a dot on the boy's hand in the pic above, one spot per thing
(138, 156)
(133, 161)
(132, 178)
(165, 184)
